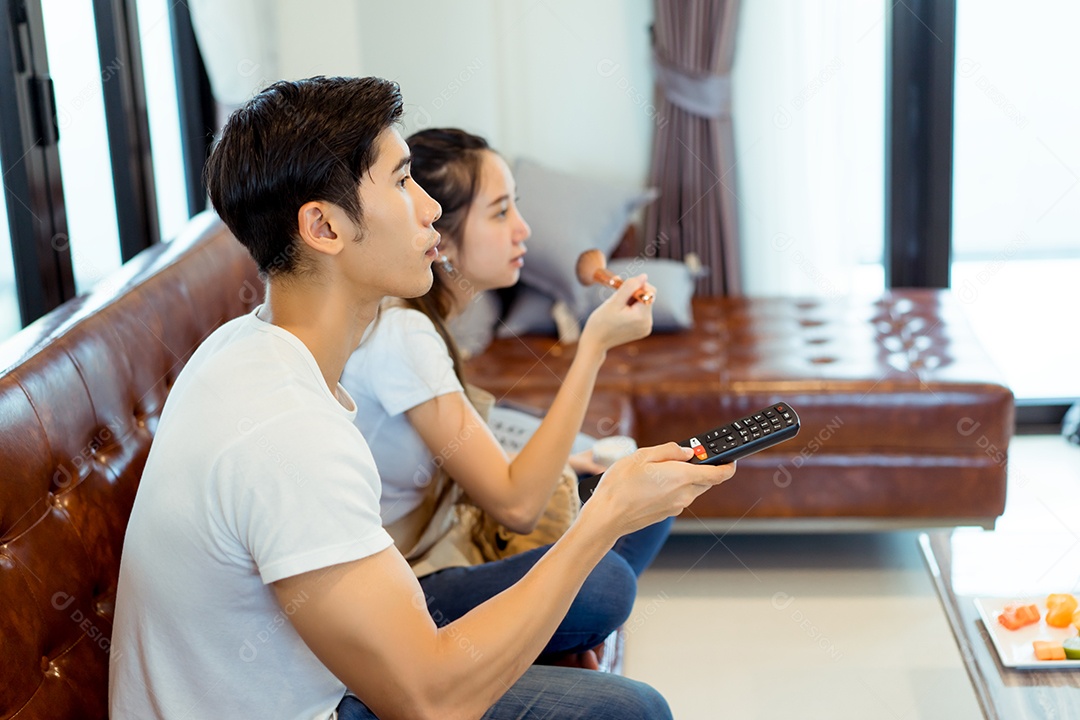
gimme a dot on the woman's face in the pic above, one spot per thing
(494, 234)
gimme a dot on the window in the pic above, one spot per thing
(84, 197)
(808, 89)
(163, 107)
(9, 301)
(84, 144)
(1016, 189)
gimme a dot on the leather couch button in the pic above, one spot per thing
(914, 325)
(49, 668)
(903, 306)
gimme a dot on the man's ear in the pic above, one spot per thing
(321, 226)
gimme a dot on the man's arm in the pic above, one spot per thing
(368, 622)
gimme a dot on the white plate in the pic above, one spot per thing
(1014, 647)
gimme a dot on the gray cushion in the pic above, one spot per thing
(570, 214)
(530, 313)
(472, 329)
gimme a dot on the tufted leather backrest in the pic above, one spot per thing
(80, 394)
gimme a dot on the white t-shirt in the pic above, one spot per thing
(256, 473)
(402, 363)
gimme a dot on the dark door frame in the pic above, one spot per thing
(919, 78)
(33, 187)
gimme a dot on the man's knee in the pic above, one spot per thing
(637, 700)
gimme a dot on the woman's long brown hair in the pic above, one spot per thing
(446, 162)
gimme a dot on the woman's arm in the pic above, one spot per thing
(516, 492)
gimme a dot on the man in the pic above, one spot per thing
(256, 579)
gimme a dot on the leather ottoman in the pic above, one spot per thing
(905, 421)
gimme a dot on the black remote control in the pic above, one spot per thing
(732, 441)
(745, 436)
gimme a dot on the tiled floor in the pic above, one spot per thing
(822, 626)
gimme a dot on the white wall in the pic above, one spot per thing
(566, 82)
(562, 81)
(570, 84)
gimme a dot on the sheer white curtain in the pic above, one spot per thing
(809, 99)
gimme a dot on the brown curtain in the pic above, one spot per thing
(693, 160)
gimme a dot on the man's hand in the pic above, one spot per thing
(652, 484)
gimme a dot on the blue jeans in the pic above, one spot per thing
(601, 606)
(560, 694)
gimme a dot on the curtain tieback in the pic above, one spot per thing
(704, 94)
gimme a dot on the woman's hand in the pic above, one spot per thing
(583, 463)
(615, 322)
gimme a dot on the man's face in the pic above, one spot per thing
(398, 240)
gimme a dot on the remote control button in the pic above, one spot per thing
(737, 425)
(758, 417)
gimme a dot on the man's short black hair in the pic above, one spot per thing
(295, 142)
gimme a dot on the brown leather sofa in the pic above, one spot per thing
(923, 434)
(80, 394)
(905, 421)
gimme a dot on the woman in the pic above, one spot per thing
(414, 412)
